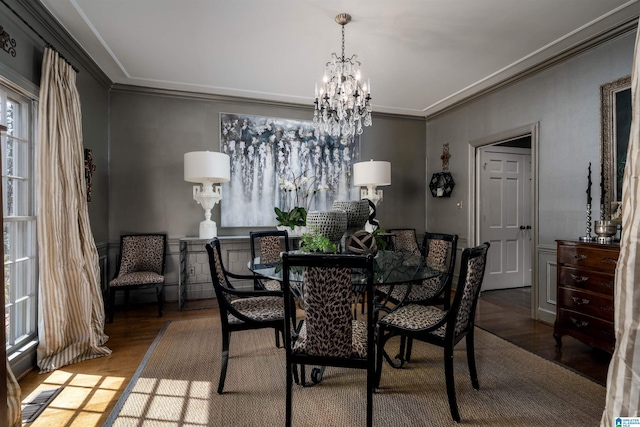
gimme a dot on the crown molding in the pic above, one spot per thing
(201, 96)
(624, 28)
(62, 40)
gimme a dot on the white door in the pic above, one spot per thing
(505, 215)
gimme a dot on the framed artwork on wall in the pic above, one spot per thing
(615, 126)
(281, 163)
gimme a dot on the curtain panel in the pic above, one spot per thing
(70, 310)
(623, 377)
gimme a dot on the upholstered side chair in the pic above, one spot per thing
(141, 265)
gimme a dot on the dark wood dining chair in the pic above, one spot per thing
(328, 335)
(439, 251)
(404, 239)
(444, 328)
(240, 310)
(268, 245)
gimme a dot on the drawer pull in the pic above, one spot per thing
(579, 323)
(580, 301)
(580, 257)
(609, 261)
(579, 279)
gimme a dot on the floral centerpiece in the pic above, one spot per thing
(299, 193)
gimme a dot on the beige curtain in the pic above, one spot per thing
(14, 408)
(70, 309)
(623, 379)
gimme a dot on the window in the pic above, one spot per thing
(19, 215)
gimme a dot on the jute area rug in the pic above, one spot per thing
(177, 381)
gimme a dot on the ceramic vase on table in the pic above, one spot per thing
(330, 224)
(357, 212)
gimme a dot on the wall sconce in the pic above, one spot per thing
(441, 184)
(371, 174)
(207, 168)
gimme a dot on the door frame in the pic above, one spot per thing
(474, 189)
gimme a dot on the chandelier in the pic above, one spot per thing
(342, 104)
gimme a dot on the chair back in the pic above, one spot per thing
(268, 245)
(404, 240)
(142, 252)
(218, 273)
(473, 263)
(440, 254)
(327, 297)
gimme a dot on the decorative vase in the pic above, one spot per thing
(296, 231)
(330, 224)
(357, 212)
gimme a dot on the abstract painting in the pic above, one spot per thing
(281, 163)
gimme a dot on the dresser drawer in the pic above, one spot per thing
(595, 305)
(580, 278)
(590, 330)
(592, 258)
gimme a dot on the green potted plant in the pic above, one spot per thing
(296, 217)
(316, 242)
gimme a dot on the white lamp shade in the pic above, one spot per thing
(376, 173)
(207, 166)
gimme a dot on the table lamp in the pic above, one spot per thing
(371, 174)
(207, 168)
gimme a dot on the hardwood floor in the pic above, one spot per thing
(92, 388)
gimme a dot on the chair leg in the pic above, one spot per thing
(379, 351)
(277, 338)
(407, 357)
(288, 393)
(226, 338)
(160, 295)
(451, 387)
(471, 359)
(370, 386)
(112, 303)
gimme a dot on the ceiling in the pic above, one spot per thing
(420, 56)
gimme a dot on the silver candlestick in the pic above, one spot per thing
(587, 237)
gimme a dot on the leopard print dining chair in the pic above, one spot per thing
(141, 265)
(240, 309)
(268, 245)
(328, 335)
(444, 328)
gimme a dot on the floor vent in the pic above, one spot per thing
(35, 406)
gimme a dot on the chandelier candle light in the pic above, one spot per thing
(207, 168)
(342, 104)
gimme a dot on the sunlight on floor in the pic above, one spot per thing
(82, 401)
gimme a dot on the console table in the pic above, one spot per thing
(194, 278)
(586, 273)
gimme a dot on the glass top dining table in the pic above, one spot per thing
(390, 267)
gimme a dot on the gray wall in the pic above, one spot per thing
(91, 82)
(564, 100)
(152, 129)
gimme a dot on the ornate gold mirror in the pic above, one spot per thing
(615, 125)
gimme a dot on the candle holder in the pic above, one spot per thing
(587, 237)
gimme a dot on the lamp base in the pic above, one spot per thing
(208, 229)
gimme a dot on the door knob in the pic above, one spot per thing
(528, 227)
(522, 227)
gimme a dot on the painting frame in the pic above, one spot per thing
(615, 124)
(266, 153)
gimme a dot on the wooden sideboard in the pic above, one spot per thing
(585, 293)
